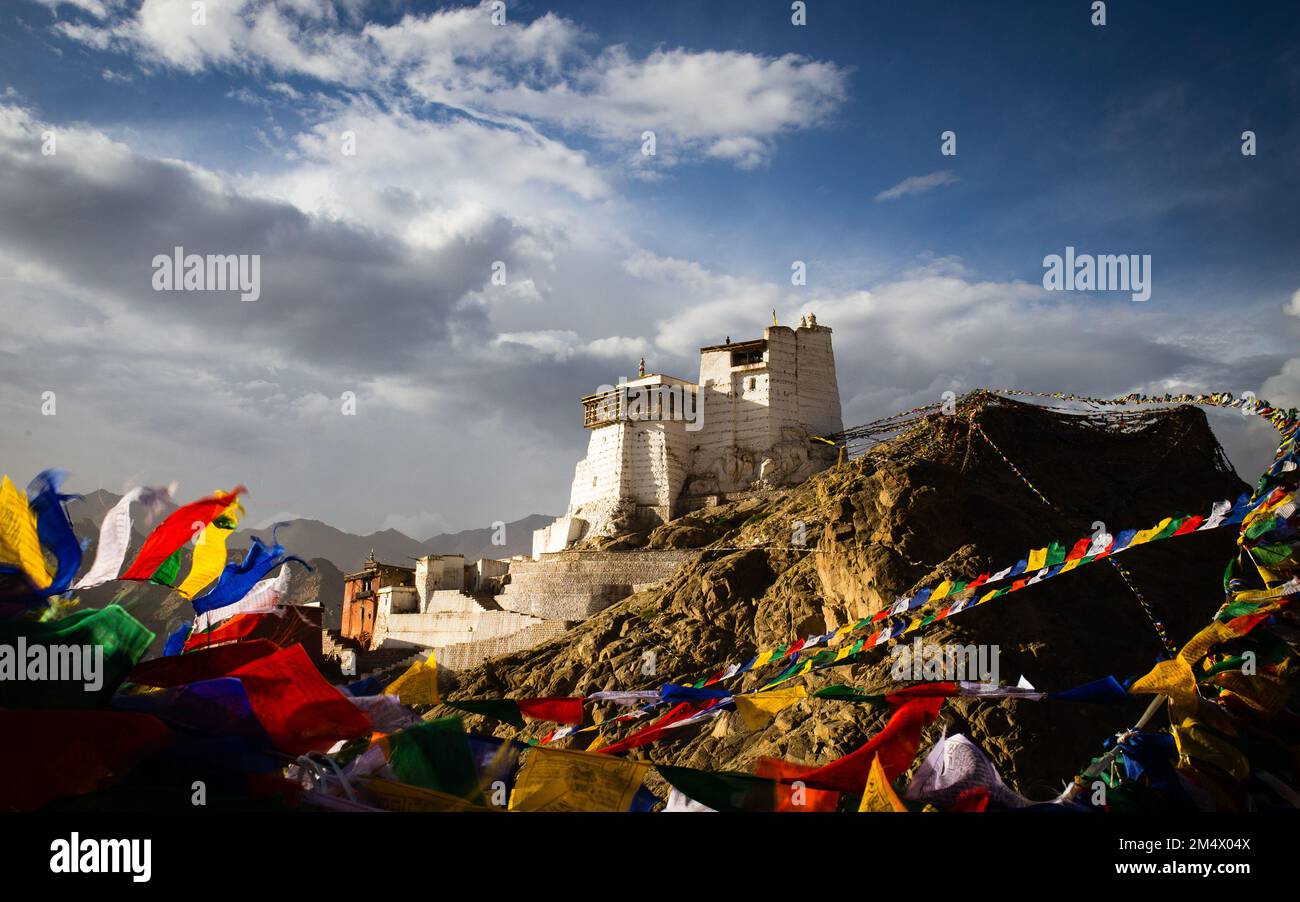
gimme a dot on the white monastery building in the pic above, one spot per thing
(662, 446)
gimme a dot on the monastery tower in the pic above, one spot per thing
(662, 446)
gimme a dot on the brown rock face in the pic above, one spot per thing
(936, 502)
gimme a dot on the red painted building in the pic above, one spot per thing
(361, 592)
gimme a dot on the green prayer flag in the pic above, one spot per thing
(167, 571)
(502, 709)
(436, 755)
(1056, 553)
(77, 661)
(1271, 555)
(1174, 525)
(1238, 609)
(723, 790)
(1261, 526)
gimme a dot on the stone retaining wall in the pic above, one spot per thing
(573, 585)
(443, 628)
(468, 654)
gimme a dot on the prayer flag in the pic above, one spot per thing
(19, 543)
(418, 685)
(53, 527)
(436, 755)
(263, 598)
(115, 535)
(237, 580)
(556, 710)
(298, 709)
(565, 780)
(181, 526)
(722, 790)
(77, 661)
(878, 795)
(209, 557)
(757, 710)
(895, 744)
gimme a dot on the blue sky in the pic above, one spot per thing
(521, 143)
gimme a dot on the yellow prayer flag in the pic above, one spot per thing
(942, 591)
(1261, 691)
(1199, 744)
(393, 796)
(1267, 507)
(567, 780)
(1037, 560)
(1173, 678)
(878, 794)
(209, 553)
(418, 685)
(19, 543)
(756, 711)
(1144, 535)
(1199, 645)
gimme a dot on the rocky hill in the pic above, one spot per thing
(934, 502)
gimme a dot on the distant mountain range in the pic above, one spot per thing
(310, 539)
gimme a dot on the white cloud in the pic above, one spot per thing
(1293, 306)
(725, 105)
(617, 347)
(918, 184)
(97, 8)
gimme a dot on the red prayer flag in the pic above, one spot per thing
(556, 710)
(1191, 524)
(298, 709)
(208, 664)
(790, 798)
(895, 744)
(976, 798)
(234, 629)
(176, 530)
(1080, 549)
(52, 755)
(1247, 622)
(651, 733)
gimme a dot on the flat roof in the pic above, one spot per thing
(650, 379)
(737, 345)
